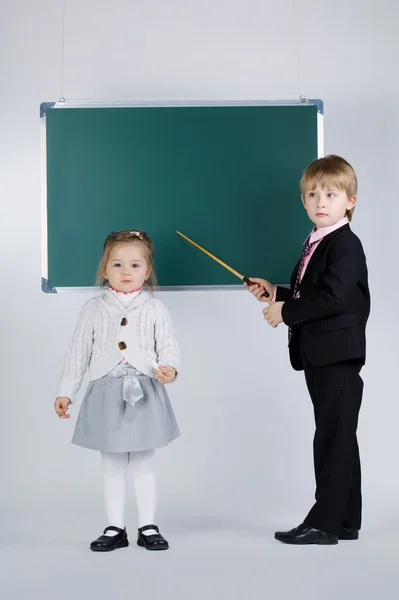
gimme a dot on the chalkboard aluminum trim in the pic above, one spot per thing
(44, 199)
(194, 288)
(70, 104)
(190, 288)
(320, 135)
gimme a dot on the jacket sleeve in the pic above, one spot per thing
(283, 294)
(78, 355)
(346, 263)
(166, 346)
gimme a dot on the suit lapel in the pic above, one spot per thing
(318, 252)
(294, 274)
(321, 247)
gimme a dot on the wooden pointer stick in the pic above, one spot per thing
(236, 273)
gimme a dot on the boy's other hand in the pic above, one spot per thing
(273, 313)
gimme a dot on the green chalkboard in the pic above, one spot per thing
(226, 176)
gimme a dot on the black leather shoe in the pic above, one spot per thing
(151, 542)
(106, 543)
(303, 534)
(348, 534)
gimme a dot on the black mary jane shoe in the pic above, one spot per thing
(107, 543)
(151, 542)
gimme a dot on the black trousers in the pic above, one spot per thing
(336, 392)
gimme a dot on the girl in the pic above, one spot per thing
(125, 338)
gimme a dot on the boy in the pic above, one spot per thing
(326, 311)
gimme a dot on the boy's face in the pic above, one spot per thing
(127, 268)
(327, 206)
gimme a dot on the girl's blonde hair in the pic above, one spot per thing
(127, 236)
(327, 171)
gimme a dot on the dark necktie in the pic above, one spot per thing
(306, 249)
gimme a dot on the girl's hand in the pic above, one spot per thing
(258, 288)
(61, 406)
(165, 374)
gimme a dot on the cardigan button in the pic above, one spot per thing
(122, 346)
(124, 321)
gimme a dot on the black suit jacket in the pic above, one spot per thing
(329, 318)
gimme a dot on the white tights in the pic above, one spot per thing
(142, 467)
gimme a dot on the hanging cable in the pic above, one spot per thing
(296, 27)
(62, 99)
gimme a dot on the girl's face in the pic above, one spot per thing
(127, 267)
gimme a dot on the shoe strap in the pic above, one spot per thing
(147, 527)
(112, 528)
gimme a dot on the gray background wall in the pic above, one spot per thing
(243, 467)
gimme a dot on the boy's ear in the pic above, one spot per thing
(351, 202)
(303, 200)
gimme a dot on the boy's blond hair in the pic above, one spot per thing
(327, 171)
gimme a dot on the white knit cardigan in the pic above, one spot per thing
(148, 336)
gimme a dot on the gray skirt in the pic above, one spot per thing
(125, 412)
